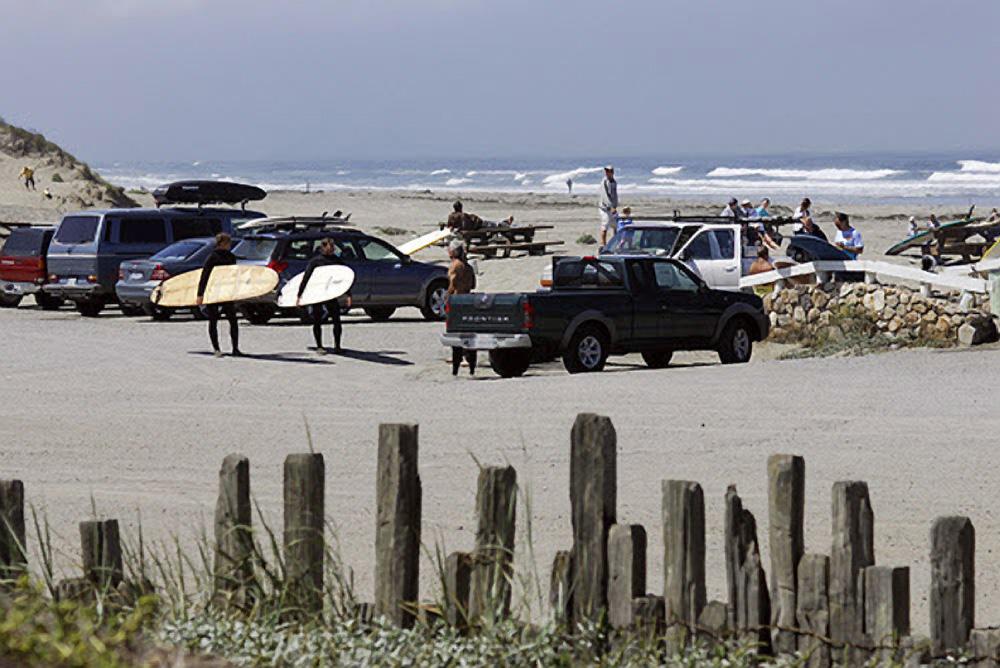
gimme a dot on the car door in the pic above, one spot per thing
(648, 302)
(684, 315)
(711, 254)
(390, 272)
(361, 289)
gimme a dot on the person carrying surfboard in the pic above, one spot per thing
(324, 258)
(221, 256)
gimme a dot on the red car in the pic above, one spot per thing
(23, 269)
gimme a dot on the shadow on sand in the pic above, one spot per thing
(295, 358)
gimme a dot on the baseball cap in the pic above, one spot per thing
(746, 201)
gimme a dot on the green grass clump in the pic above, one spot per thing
(586, 240)
(390, 231)
(57, 178)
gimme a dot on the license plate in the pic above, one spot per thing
(70, 281)
(135, 276)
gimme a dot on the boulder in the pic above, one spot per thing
(799, 314)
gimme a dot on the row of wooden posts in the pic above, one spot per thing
(835, 608)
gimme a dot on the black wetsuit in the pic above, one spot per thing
(219, 258)
(316, 310)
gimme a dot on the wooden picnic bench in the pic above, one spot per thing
(501, 241)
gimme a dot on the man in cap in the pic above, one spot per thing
(607, 204)
(732, 209)
(748, 209)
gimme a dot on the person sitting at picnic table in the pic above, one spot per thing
(847, 238)
(625, 217)
(459, 220)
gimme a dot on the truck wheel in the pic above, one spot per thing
(657, 359)
(130, 310)
(510, 363)
(736, 344)
(9, 301)
(90, 308)
(158, 313)
(47, 302)
(258, 314)
(379, 313)
(587, 350)
(435, 300)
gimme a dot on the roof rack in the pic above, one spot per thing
(296, 222)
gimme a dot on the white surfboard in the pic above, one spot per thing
(326, 283)
(422, 242)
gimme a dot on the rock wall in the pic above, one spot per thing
(830, 313)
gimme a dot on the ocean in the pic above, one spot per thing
(844, 178)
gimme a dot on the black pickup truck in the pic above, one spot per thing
(607, 305)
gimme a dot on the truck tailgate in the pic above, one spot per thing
(499, 313)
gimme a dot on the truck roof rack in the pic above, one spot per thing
(273, 223)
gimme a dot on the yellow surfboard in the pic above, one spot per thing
(413, 245)
(229, 283)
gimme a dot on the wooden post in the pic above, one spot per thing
(953, 583)
(813, 609)
(852, 550)
(561, 587)
(13, 560)
(648, 616)
(627, 571)
(101, 548)
(496, 505)
(305, 549)
(593, 497)
(749, 608)
(683, 552)
(457, 582)
(233, 537)
(887, 607)
(786, 508)
(397, 524)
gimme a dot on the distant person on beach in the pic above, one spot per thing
(607, 203)
(802, 212)
(625, 218)
(28, 175)
(912, 228)
(459, 220)
(847, 238)
(569, 186)
(461, 280)
(317, 312)
(732, 209)
(994, 216)
(219, 257)
(762, 210)
(933, 223)
(810, 229)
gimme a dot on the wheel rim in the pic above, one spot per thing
(589, 351)
(438, 298)
(741, 344)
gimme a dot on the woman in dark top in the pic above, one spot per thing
(219, 257)
(325, 258)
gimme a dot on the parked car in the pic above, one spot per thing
(23, 270)
(138, 278)
(384, 278)
(608, 305)
(89, 246)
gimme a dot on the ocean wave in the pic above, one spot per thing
(438, 172)
(984, 177)
(979, 166)
(807, 187)
(457, 181)
(666, 171)
(559, 178)
(810, 174)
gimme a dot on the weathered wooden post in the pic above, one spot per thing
(397, 525)
(786, 476)
(812, 611)
(953, 583)
(627, 571)
(648, 616)
(100, 546)
(233, 568)
(683, 553)
(852, 551)
(457, 584)
(887, 607)
(305, 548)
(593, 496)
(749, 608)
(561, 587)
(13, 560)
(496, 505)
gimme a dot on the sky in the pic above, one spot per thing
(396, 79)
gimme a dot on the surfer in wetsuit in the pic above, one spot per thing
(219, 257)
(316, 312)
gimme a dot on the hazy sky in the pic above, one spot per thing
(251, 79)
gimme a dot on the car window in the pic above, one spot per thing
(700, 247)
(189, 228)
(77, 229)
(726, 241)
(646, 239)
(179, 251)
(23, 243)
(583, 273)
(301, 249)
(141, 230)
(669, 276)
(376, 251)
(255, 249)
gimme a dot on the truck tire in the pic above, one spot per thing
(47, 302)
(736, 343)
(587, 350)
(657, 359)
(131, 310)
(9, 301)
(434, 301)
(258, 314)
(158, 313)
(379, 313)
(90, 308)
(510, 363)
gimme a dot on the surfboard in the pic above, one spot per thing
(229, 283)
(414, 245)
(207, 192)
(326, 283)
(925, 237)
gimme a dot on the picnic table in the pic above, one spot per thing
(495, 241)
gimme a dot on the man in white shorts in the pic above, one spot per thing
(607, 204)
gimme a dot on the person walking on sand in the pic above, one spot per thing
(569, 186)
(317, 312)
(221, 256)
(28, 175)
(461, 280)
(607, 204)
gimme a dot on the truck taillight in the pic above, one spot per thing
(447, 312)
(159, 273)
(529, 314)
(40, 263)
(53, 278)
(277, 266)
(92, 278)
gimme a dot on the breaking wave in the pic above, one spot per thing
(560, 177)
(667, 171)
(808, 174)
(979, 166)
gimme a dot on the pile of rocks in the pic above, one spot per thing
(828, 313)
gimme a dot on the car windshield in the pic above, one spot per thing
(23, 243)
(77, 229)
(647, 240)
(255, 249)
(179, 251)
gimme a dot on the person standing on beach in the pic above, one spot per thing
(802, 212)
(732, 209)
(461, 280)
(28, 175)
(607, 204)
(810, 229)
(318, 312)
(221, 256)
(847, 238)
(569, 186)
